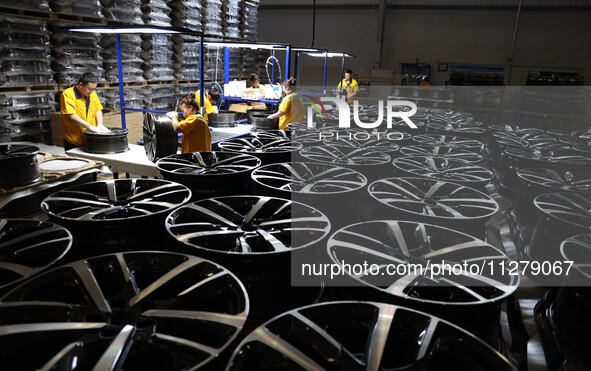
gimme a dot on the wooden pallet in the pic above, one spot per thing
(65, 17)
(126, 84)
(32, 13)
(29, 88)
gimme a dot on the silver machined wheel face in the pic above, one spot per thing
(459, 128)
(139, 310)
(29, 246)
(533, 139)
(247, 225)
(549, 156)
(448, 141)
(557, 180)
(578, 250)
(572, 209)
(355, 335)
(344, 155)
(443, 169)
(442, 151)
(273, 134)
(433, 198)
(309, 178)
(306, 137)
(115, 200)
(253, 144)
(376, 145)
(400, 243)
(208, 164)
(393, 135)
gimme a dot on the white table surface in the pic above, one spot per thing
(135, 161)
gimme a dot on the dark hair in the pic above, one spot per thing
(290, 83)
(350, 72)
(190, 102)
(88, 77)
(214, 93)
(253, 78)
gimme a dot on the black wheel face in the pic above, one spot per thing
(441, 151)
(448, 141)
(203, 164)
(372, 144)
(115, 200)
(222, 119)
(11, 150)
(362, 336)
(344, 155)
(551, 179)
(390, 242)
(572, 209)
(443, 169)
(114, 141)
(142, 310)
(578, 250)
(309, 178)
(549, 156)
(247, 225)
(254, 144)
(28, 246)
(160, 140)
(433, 198)
(18, 165)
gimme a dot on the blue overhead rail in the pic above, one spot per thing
(227, 45)
(118, 30)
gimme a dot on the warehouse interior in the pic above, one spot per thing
(295, 185)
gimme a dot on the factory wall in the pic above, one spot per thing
(555, 39)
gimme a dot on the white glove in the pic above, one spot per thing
(93, 129)
(171, 114)
(103, 129)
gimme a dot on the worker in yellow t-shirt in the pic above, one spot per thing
(291, 108)
(196, 134)
(212, 95)
(81, 110)
(349, 85)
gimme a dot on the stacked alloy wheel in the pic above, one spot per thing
(140, 310)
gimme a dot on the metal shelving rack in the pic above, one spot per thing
(118, 31)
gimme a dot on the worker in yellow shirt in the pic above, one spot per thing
(212, 95)
(196, 134)
(349, 85)
(81, 110)
(291, 108)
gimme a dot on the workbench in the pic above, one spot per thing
(136, 162)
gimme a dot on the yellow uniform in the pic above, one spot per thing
(71, 101)
(208, 106)
(196, 135)
(293, 107)
(349, 88)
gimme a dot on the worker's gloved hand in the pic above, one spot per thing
(171, 114)
(103, 129)
(94, 129)
(270, 117)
